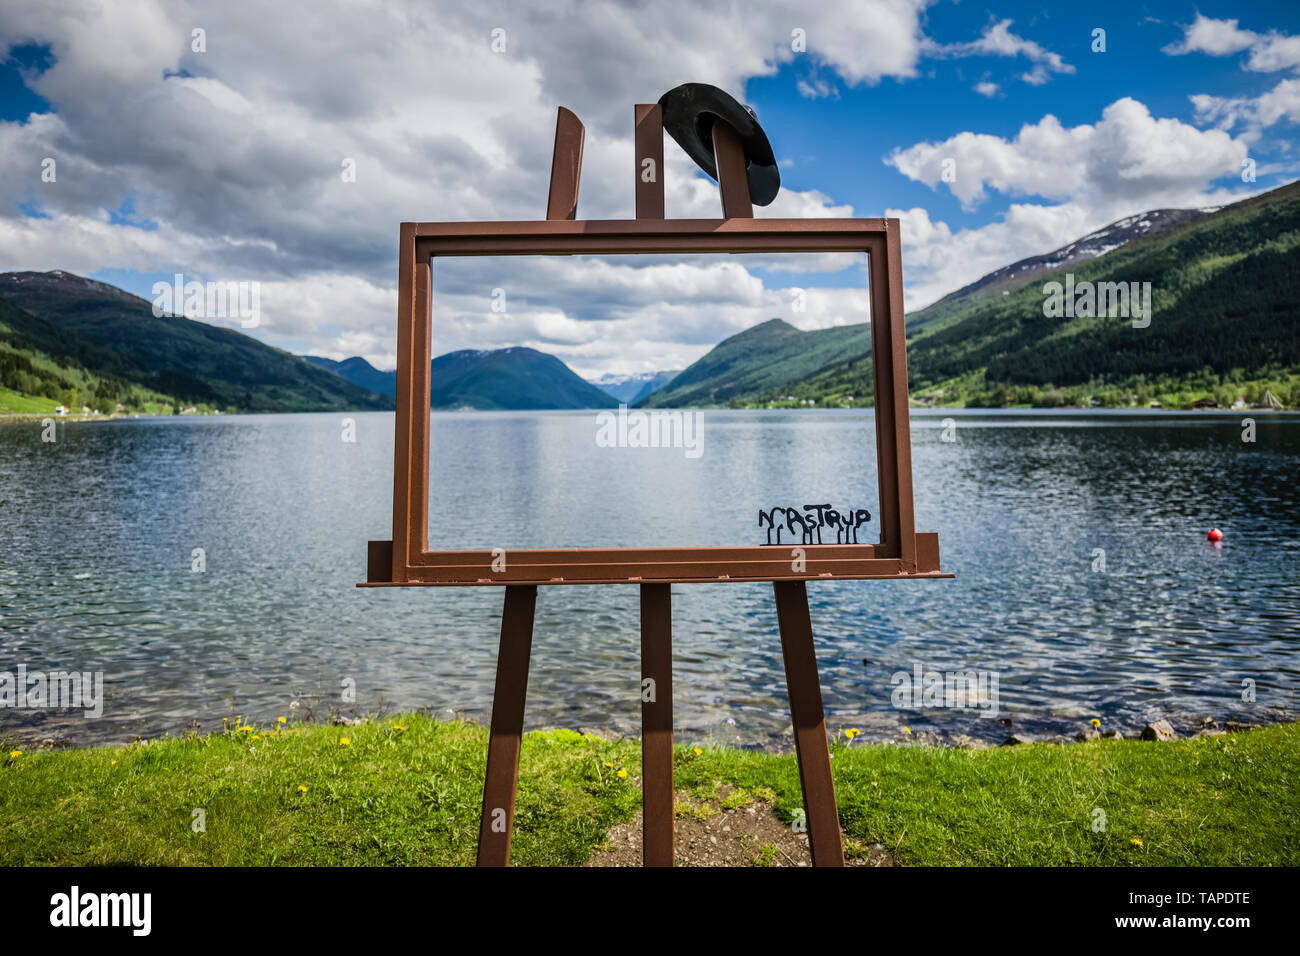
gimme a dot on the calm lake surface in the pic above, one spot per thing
(98, 529)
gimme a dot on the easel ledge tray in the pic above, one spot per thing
(757, 563)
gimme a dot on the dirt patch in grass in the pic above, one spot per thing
(729, 827)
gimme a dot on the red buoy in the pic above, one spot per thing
(1214, 534)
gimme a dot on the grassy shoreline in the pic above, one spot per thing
(407, 789)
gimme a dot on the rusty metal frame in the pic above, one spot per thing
(900, 552)
(406, 560)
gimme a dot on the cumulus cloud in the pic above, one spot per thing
(1269, 52)
(1130, 161)
(1128, 156)
(1215, 37)
(1252, 112)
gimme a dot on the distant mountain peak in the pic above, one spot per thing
(633, 387)
(507, 379)
(62, 279)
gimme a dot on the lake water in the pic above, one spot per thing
(98, 529)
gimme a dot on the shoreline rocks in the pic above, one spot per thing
(1159, 730)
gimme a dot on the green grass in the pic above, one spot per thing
(394, 796)
(16, 403)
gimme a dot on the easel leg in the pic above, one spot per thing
(809, 723)
(498, 820)
(657, 725)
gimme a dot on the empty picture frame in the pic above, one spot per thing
(406, 560)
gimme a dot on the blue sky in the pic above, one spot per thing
(838, 142)
(219, 157)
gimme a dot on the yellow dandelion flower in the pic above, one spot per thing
(907, 730)
(113, 764)
(610, 766)
(1095, 722)
(302, 789)
(698, 751)
(14, 754)
(1135, 841)
(622, 773)
(852, 732)
(282, 720)
(256, 737)
(398, 727)
(345, 741)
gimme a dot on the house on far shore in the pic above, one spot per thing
(60, 409)
(1204, 403)
(1155, 405)
(1239, 403)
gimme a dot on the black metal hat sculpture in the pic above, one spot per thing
(690, 111)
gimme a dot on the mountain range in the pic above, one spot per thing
(485, 379)
(1224, 289)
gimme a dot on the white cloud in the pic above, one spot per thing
(815, 87)
(1215, 37)
(1251, 112)
(1128, 162)
(1129, 156)
(1269, 52)
(1274, 52)
(998, 40)
(986, 88)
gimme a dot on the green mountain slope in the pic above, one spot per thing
(758, 363)
(117, 334)
(1225, 291)
(43, 362)
(514, 378)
